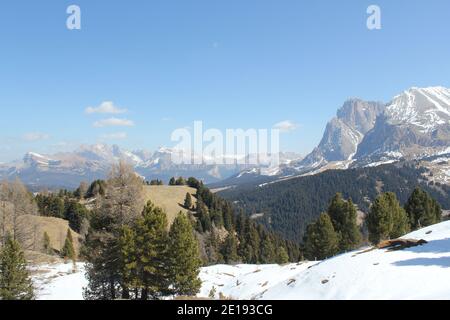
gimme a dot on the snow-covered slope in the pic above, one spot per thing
(427, 108)
(60, 281)
(415, 273)
(415, 124)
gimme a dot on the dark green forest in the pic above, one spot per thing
(289, 206)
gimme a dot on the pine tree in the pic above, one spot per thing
(343, 216)
(188, 201)
(422, 210)
(15, 282)
(282, 256)
(68, 251)
(228, 217)
(267, 250)
(212, 247)
(129, 260)
(321, 241)
(249, 248)
(401, 224)
(203, 216)
(152, 250)
(172, 181)
(230, 249)
(180, 181)
(386, 219)
(47, 244)
(184, 259)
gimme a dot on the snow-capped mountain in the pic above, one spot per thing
(426, 108)
(344, 133)
(90, 162)
(415, 125)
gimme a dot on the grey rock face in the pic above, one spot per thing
(344, 132)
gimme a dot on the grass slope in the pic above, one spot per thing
(169, 198)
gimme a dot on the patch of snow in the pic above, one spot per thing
(59, 281)
(379, 163)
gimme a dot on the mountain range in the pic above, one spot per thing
(90, 162)
(415, 125)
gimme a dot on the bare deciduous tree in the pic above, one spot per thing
(15, 203)
(123, 201)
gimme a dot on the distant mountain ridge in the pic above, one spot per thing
(90, 162)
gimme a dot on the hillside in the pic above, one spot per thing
(169, 198)
(289, 206)
(414, 273)
(56, 229)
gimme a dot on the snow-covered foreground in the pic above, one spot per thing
(59, 281)
(414, 273)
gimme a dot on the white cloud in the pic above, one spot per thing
(35, 136)
(106, 107)
(113, 122)
(114, 136)
(286, 126)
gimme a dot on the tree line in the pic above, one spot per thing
(290, 206)
(337, 230)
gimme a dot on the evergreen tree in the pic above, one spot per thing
(97, 188)
(156, 182)
(68, 251)
(401, 224)
(343, 216)
(15, 282)
(282, 256)
(250, 243)
(129, 261)
(321, 241)
(152, 251)
(217, 219)
(184, 260)
(228, 217)
(267, 250)
(180, 181)
(172, 182)
(386, 219)
(188, 201)
(212, 248)
(229, 249)
(75, 213)
(203, 216)
(422, 210)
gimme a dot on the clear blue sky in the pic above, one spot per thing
(230, 63)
